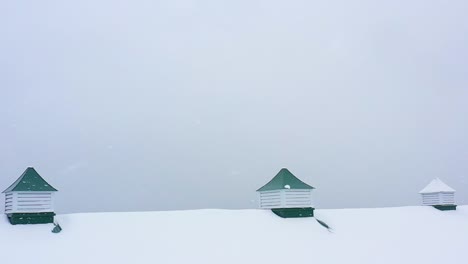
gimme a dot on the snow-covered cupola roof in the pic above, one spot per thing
(435, 186)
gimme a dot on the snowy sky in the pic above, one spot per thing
(161, 105)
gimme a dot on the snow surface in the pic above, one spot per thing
(413, 235)
(437, 185)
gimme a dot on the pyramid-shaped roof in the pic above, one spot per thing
(285, 180)
(30, 181)
(437, 185)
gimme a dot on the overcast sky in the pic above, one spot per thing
(164, 105)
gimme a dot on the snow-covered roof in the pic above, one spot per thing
(437, 185)
(243, 236)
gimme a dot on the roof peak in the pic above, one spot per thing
(31, 181)
(437, 185)
(284, 179)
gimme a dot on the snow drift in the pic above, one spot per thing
(383, 235)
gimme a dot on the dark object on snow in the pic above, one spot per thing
(323, 224)
(57, 229)
(294, 212)
(448, 207)
(30, 218)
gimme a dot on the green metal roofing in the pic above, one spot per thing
(285, 180)
(30, 181)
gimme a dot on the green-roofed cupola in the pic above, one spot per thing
(30, 181)
(30, 199)
(284, 179)
(287, 196)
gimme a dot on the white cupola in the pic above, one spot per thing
(439, 195)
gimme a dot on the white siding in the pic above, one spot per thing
(297, 198)
(29, 202)
(285, 199)
(439, 198)
(448, 198)
(270, 199)
(430, 199)
(9, 202)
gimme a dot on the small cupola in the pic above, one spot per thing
(30, 199)
(439, 195)
(287, 196)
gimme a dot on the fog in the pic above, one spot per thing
(168, 105)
